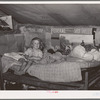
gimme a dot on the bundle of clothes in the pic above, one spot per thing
(86, 52)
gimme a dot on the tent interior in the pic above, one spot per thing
(46, 21)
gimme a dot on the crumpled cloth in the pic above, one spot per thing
(8, 62)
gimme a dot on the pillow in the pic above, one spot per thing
(88, 57)
(78, 51)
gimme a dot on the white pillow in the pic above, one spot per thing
(78, 51)
(96, 54)
(88, 57)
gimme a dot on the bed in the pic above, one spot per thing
(90, 72)
(72, 74)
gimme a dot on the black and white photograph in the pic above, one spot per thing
(50, 47)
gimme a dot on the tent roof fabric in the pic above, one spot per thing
(53, 14)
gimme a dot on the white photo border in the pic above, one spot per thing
(81, 94)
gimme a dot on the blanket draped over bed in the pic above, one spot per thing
(65, 71)
(59, 72)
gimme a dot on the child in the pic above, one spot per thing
(32, 54)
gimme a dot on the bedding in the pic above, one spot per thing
(80, 52)
(56, 72)
(14, 58)
(8, 62)
(64, 71)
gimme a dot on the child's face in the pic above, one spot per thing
(35, 44)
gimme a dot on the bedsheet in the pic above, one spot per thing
(65, 71)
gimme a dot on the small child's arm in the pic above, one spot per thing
(35, 58)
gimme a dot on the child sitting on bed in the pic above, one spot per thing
(32, 54)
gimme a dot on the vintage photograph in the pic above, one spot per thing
(50, 47)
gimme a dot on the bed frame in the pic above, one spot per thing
(89, 77)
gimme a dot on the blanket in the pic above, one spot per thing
(8, 62)
(65, 71)
(57, 72)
